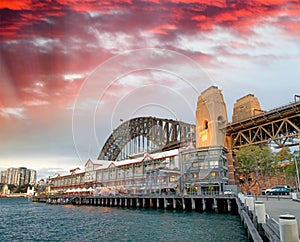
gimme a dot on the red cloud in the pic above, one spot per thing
(163, 29)
(182, 15)
(42, 41)
(15, 4)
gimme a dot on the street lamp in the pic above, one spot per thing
(297, 172)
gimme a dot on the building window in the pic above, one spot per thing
(205, 124)
(172, 178)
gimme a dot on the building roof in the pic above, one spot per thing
(104, 164)
(155, 156)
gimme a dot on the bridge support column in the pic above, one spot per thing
(183, 204)
(125, 202)
(165, 203)
(174, 203)
(157, 203)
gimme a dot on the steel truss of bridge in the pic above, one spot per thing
(145, 134)
(279, 127)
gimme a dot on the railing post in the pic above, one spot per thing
(250, 205)
(260, 212)
(260, 215)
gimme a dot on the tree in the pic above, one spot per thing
(283, 155)
(286, 164)
(290, 169)
(256, 164)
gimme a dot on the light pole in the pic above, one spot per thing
(297, 172)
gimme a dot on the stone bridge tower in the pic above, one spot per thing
(211, 118)
(246, 107)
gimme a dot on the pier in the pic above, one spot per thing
(218, 204)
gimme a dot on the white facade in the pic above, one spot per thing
(149, 173)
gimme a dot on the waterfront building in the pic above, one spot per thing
(148, 173)
(205, 170)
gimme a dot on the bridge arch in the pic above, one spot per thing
(145, 134)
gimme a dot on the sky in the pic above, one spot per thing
(71, 71)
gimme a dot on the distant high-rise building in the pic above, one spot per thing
(32, 176)
(15, 176)
(22, 175)
(2, 176)
(27, 176)
(9, 175)
(18, 176)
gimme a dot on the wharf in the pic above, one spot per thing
(205, 203)
(219, 204)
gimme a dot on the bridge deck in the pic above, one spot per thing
(263, 117)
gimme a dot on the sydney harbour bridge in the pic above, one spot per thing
(279, 127)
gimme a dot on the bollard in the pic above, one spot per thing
(288, 228)
(260, 212)
(250, 203)
(243, 199)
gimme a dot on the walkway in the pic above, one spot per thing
(275, 208)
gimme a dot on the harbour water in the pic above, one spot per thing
(23, 220)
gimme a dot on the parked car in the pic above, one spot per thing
(228, 192)
(267, 191)
(280, 191)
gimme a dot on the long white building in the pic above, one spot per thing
(148, 173)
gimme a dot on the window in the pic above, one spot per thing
(172, 179)
(194, 175)
(205, 124)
